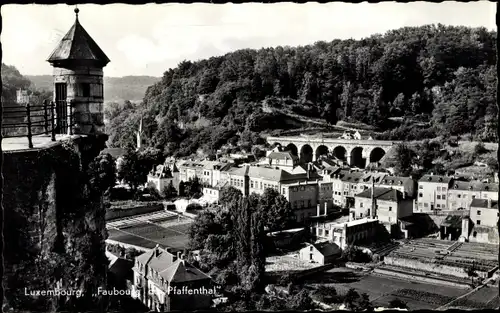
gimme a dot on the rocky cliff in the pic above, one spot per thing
(54, 226)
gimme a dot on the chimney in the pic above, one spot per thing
(489, 203)
(404, 195)
(326, 208)
(374, 206)
(179, 254)
(318, 211)
(157, 251)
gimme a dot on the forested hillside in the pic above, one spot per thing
(441, 80)
(11, 81)
(115, 88)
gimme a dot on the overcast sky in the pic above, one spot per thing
(149, 39)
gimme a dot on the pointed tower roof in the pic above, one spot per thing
(77, 45)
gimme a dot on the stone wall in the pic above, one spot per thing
(430, 267)
(141, 209)
(55, 230)
(88, 109)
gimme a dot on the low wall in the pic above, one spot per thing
(126, 245)
(141, 209)
(430, 267)
(424, 279)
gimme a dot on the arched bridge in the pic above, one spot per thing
(355, 152)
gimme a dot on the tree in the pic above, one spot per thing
(229, 195)
(275, 209)
(480, 149)
(355, 302)
(133, 170)
(405, 157)
(471, 272)
(169, 191)
(398, 304)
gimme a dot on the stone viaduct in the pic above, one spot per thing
(354, 152)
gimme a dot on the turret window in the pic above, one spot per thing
(85, 89)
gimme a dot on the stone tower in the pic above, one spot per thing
(78, 82)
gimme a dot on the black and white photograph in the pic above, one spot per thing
(249, 157)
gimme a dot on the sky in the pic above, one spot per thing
(150, 39)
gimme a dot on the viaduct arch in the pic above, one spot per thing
(357, 153)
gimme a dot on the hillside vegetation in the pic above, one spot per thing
(115, 88)
(440, 80)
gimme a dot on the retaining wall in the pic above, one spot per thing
(116, 214)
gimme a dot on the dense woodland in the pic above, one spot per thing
(440, 80)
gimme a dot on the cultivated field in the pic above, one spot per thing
(146, 231)
(382, 290)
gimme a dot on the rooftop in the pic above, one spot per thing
(435, 179)
(78, 45)
(395, 180)
(327, 248)
(484, 204)
(474, 186)
(282, 155)
(386, 194)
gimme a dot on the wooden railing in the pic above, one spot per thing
(28, 119)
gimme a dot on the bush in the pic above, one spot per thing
(398, 304)
(120, 193)
(480, 149)
(194, 207)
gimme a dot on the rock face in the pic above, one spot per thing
(55, 228)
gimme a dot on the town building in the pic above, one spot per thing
(161, 176)
(404, 184)
(22, 96)
(344, 186)
(322, 252)
(300, 186)
(212, 194)
(282, 159)
(432, 193)
(461, 194)
(386, 204)
(481, 223)
(370, 178)
(208, 172)
(346, 233)
(158, 272)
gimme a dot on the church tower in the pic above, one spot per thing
(78, 83)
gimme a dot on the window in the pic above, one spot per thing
(459, 196)
(478, 222)
(420, 195)
(390, 208)
(260, 185)
(361, 205)
(283, 190)
(85, 90)
(438, 197)
(438, 188)
(309, 203)
(326, 233)
(311, 248)
(443, 189)
(420, 187)
(420, 204)
(251, 183)
(478, 212)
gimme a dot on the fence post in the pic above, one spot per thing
(45, 117)
(70, 117)
(28, 115)
(53, 126)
